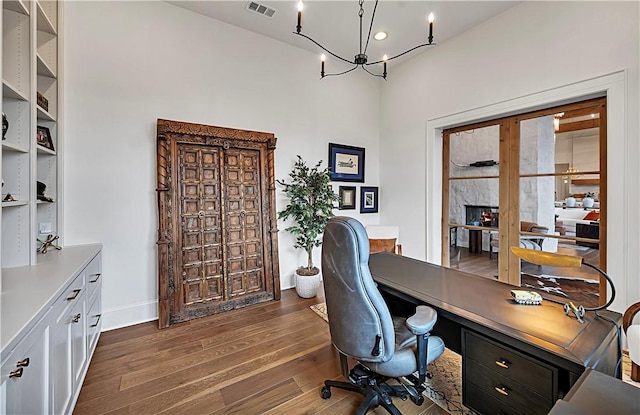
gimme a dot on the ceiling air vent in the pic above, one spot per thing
(260, 9)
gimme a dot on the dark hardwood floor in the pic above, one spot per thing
(270, 358)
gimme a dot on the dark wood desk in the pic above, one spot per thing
(544, 351)
(596, 393)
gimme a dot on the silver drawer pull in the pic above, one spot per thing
(97, 278)
(97, 321)
(23, 363)
(16, 373)
(76, 318)
(503, 363)
(502, 390)
(74, 296)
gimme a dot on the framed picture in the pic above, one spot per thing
(368, 199)
(347, 196)
(346, 163)
(43, 138)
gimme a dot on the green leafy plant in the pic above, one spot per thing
(310, 206)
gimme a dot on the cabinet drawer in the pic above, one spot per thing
(94, 321)
(93, 274)
(527, 371)
(476, 399)
(74, 291)
(505, 390)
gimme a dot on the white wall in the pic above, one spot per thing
(128, 64)
(531, 48)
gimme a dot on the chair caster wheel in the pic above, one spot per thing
(326, 392)
(419, 400)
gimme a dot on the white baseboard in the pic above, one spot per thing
(116, 318)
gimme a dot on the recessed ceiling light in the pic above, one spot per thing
(380, 36)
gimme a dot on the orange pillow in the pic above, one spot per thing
(382, 245)
(592, 215)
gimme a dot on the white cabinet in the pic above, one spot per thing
(31, 87)
(25, 376)
(62, 331)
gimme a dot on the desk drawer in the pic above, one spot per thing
(527, 371)
(504, 390)
(474, 398)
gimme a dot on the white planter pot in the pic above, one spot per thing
(307, 286)
(570, 202)
(587, 202)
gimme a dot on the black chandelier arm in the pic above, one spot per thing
(371, 73)
(323, 48)
(373, 16)
(342, 73)
(403, 53)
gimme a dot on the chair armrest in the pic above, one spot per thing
(629, 314)
(423, 320)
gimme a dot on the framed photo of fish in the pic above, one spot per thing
(346, 163)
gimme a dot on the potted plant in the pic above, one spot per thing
(588, 199)
(310, 206)
(570, 201)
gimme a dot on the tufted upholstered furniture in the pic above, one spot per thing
(362, 328)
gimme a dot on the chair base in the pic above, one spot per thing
(375, 390)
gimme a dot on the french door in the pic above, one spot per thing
(507, 182)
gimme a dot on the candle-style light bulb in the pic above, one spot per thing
(431, 19)
(384, 71)
(323, 58)
(300, 7)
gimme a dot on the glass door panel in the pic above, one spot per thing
(559, 201)
(472, 199)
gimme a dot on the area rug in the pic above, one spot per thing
(445, 387)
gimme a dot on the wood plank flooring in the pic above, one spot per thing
(270, 358)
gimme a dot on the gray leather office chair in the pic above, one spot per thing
(361, 326)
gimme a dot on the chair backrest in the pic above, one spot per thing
(384, 238)
(359, 320)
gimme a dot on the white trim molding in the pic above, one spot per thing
(620, 253)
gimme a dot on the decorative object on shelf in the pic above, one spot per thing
(8, 198)
(361, 59)
(588, 199)
(43, 138)
(347, 197)
(346, 163)
(49, 243)
(310, 205)
(368, 199)
(42, 101)
(41, 189)
(5, 126)
(570, 201)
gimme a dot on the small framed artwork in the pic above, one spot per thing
(368, 199)
(347, 197)
(346, 163)
(43, 138)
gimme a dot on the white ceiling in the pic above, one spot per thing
(335, 24)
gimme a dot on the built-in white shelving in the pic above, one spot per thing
(30, 67)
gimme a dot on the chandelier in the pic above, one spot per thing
(361, 58)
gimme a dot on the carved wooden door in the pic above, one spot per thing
(217, 245)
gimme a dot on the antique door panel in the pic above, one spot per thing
(199, 184)
(244, 228)
(217, 231)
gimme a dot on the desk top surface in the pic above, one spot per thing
(596, 393)
(488, 303)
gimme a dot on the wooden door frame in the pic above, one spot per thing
(509, 171)
(169, 134)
